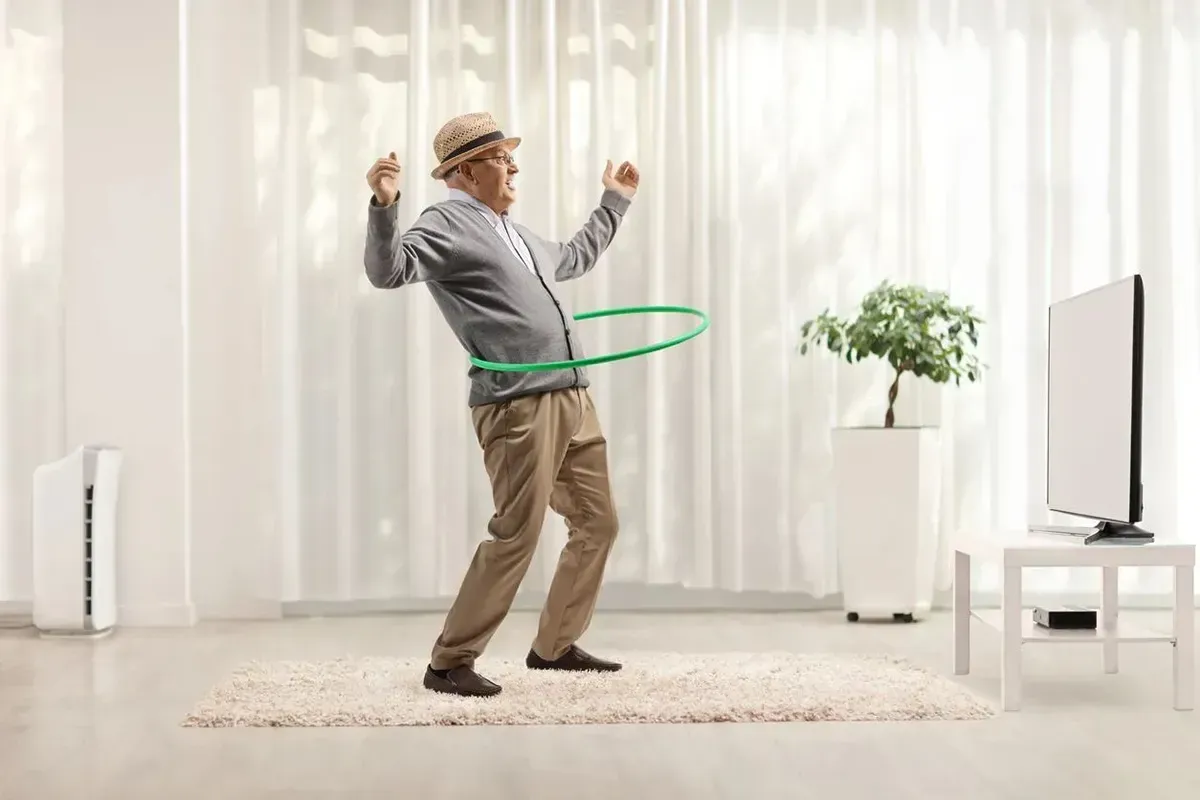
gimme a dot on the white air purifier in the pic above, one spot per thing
(74, 543)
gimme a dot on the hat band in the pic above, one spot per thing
(487, 138)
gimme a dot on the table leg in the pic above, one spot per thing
(1185, 637)
(1108, 612)
(962, 613)
(1011, 637)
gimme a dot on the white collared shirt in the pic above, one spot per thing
(503, 228)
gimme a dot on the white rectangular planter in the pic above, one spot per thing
(887, 501)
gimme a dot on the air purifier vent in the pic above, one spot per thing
(87, 553)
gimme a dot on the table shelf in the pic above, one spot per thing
(1032, 632)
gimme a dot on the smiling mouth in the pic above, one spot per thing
(509, 183)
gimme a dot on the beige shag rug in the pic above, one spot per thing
(653, 688)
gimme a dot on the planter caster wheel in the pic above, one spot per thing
(906, 618)
(852, 616)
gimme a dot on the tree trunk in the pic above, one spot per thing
(889, 419)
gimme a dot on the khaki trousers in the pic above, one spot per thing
(540, 451)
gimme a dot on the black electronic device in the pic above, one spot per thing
(1065, 618)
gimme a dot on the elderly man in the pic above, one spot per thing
(542, 445)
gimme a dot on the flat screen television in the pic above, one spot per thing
(1094, 411)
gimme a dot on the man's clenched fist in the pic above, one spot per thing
(384, 179)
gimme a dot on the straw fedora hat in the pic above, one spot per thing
(465, 136)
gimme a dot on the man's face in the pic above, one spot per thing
(491, 176)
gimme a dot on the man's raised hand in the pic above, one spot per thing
(624, 180)
(384, 179)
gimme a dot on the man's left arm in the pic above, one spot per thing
(577, 256)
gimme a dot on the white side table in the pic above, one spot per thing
(1015, 550)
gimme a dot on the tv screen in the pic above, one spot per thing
(1094, 417)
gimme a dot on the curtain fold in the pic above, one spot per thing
(31, 380)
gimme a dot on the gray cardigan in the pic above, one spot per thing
(496, 307)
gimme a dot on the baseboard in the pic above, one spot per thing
(239, 610)
(15, 614)
(618, 599)
(667, 600)
(181, 615)
(631, 599)
(18, 613)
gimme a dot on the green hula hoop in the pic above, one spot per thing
(497, 366)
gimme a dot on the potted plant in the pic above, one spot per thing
(887, 478)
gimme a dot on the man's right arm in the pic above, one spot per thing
(395, 258)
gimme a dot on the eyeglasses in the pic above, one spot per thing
(506, 159)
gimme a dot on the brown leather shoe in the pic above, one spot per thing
(574, 660)
(462, 681)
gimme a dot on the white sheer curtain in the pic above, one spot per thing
(31, 384)
(793, 154)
